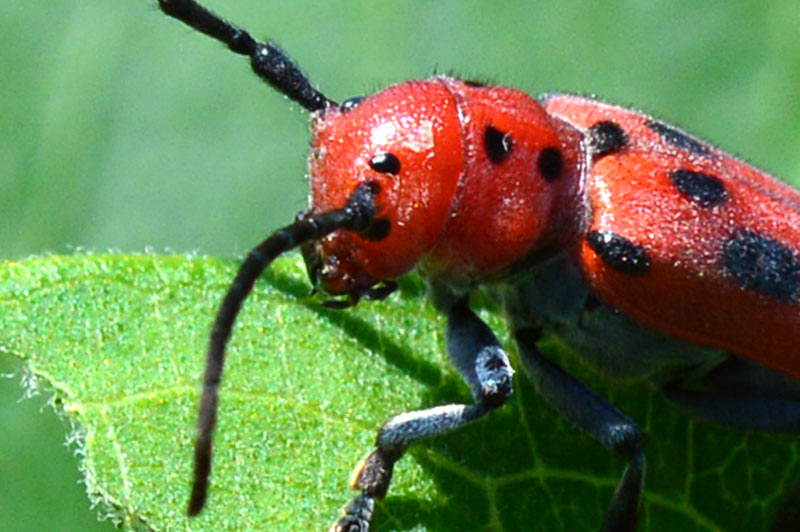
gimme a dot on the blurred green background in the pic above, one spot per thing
(124, 130)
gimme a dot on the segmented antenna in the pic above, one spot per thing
(357, 216)
(268, 61)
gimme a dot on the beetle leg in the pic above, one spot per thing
(477, 355)
(743, 394)
(594, 415)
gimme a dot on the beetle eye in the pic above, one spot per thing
(385, 163)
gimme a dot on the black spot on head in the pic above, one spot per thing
(605, 137)
(619, 253)
(351, 103)
(550, 163)
(498, 144)
(763, 264)
(678, 138)
(385, 163)
(377, 230)
(704, 189)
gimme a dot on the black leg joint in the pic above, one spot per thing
(478, 356)
(627, 440)
(495, 377)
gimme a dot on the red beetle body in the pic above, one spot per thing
(654, 254)
(692, 290)
(451, 208)
(466, 218)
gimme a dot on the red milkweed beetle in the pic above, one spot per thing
(657, 255)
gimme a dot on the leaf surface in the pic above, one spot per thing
(120, 342)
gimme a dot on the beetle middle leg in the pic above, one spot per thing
(477, 355)
(597, 417)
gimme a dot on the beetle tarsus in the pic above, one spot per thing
(357, 515)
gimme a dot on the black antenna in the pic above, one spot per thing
(357, 216)
(269, 62)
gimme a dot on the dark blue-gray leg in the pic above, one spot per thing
(743, 394)
(477, 355)
(594, 415)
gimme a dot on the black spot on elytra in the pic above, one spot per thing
(498, 144)
(550, 163)
(704, 189)
(351, 103)
(762, 264)
(385, 163)
(619, 253)
(678, 138)
(605, 137)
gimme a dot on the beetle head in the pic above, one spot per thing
(406, 143)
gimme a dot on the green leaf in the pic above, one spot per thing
(120, 341)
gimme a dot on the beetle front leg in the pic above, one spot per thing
(597, 417)
(477, 355)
